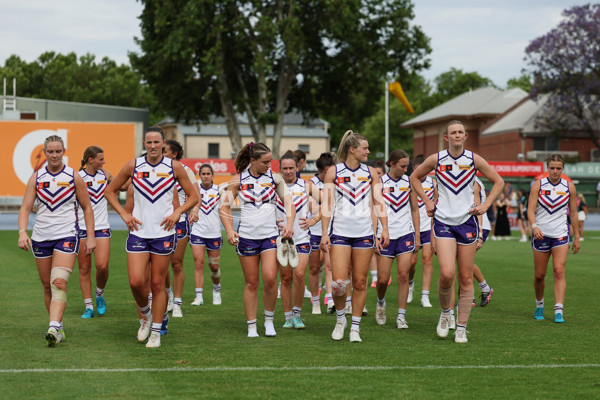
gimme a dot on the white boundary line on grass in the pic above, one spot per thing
(292, 369)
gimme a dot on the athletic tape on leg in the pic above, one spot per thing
(215, 274)
(59, 273)
(338, 287)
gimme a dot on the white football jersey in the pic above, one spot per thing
(352, 208)
(300, 202)
(257, 198)
(153, 187)
(209, 224)
(396, 196)
(96, 185)
(56, 216)
(429, 188)
(455, 178)
(552, 208)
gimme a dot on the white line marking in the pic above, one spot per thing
(292, 369)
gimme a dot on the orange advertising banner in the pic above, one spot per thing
(24, 141)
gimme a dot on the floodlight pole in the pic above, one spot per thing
(387, 121)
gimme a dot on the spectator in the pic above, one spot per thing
(582, 211)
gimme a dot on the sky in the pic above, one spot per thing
(484, 36)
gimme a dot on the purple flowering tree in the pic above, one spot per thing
(565, 65)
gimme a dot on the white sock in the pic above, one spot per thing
(424, 293)
(355, 323)
(374, 275)
(558, 308)
(99, 292)
(177, 300)
(296, 311)
(381, 302)
(539, 303)
(88, 303)
(484, 287)
(287, 314)
(401, 313)
(199, 291)
(170, 292)
(216, 287)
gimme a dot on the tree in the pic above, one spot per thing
(565, 64)
(69, 78)
(263, 58)
(523, 82)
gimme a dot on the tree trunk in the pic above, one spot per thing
(233, 130)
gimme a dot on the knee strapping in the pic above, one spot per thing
(215, 274)
(339, 286)
(214, 260)
(63, 273)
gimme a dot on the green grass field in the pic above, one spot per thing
(206, 354)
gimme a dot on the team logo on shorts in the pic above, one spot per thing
(470, 235)
(180, 231)
(409, 243)
(68, 245)
(216, 243)
(304, 247)
(273, 241)
(368, 241)
(167, 245)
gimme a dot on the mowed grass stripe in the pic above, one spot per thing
(312, 368)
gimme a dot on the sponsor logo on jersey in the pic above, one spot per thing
(388, 190)
(445, 168)
(362, 178)
(100, 182)
(248, 186)
(63, 184)
(545, 192)
(162, 174)
(89, 183)
(266, 184)
(561, 193)
(210, 196)
(43, 185)
(403, 189)
(141, 175)
(297, 193)
(464, 167)
(427, 188)
(344, 179)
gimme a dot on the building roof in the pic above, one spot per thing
(521, 119)
(482, 101)
(294, 126)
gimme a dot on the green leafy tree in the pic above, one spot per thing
(523, 82)
(69, 78)
(262, 58)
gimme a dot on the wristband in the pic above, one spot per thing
(533, 226)
(22, 230)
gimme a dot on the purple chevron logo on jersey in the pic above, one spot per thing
(552, 205)
(257, 199)
(396, 202)
(53, 200)
(96, 195)
(456, 182)
(208, 206)
(152, 190)
(354, 194)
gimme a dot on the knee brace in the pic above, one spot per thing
(215, 274)
(339, 287)
(59, 273)
(214, 260)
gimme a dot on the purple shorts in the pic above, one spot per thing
(484, 234)
(183, 229)
(303, 248)
(315, 242)
(68, 245)
(547, 243)
(251, 247)
(466, 233)
(98, 234)
(163, 246)
(404, 244)
(365, 242)
(210, 243)
(425, 237)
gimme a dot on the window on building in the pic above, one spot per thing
(29, 115)
(304, 147)
(213, 150)
(545, 143)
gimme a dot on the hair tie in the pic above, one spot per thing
(250, 144)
